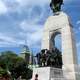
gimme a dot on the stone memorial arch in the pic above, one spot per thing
(60, 24)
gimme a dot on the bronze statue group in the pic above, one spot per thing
(52, 58)
(56, 5)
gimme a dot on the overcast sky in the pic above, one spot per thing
(22, 20)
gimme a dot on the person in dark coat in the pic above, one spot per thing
(36, 77)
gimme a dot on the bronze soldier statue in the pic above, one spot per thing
(52, 58)
(56, 5)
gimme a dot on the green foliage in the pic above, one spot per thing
(22, 70)
(2, 71)
(27, 74)
(11, 62)
(8, 59)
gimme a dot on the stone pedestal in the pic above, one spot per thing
(48, 73)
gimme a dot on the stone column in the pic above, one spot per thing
(69, 52)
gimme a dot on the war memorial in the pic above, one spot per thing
(52, 63)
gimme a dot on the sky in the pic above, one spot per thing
(22, 22)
